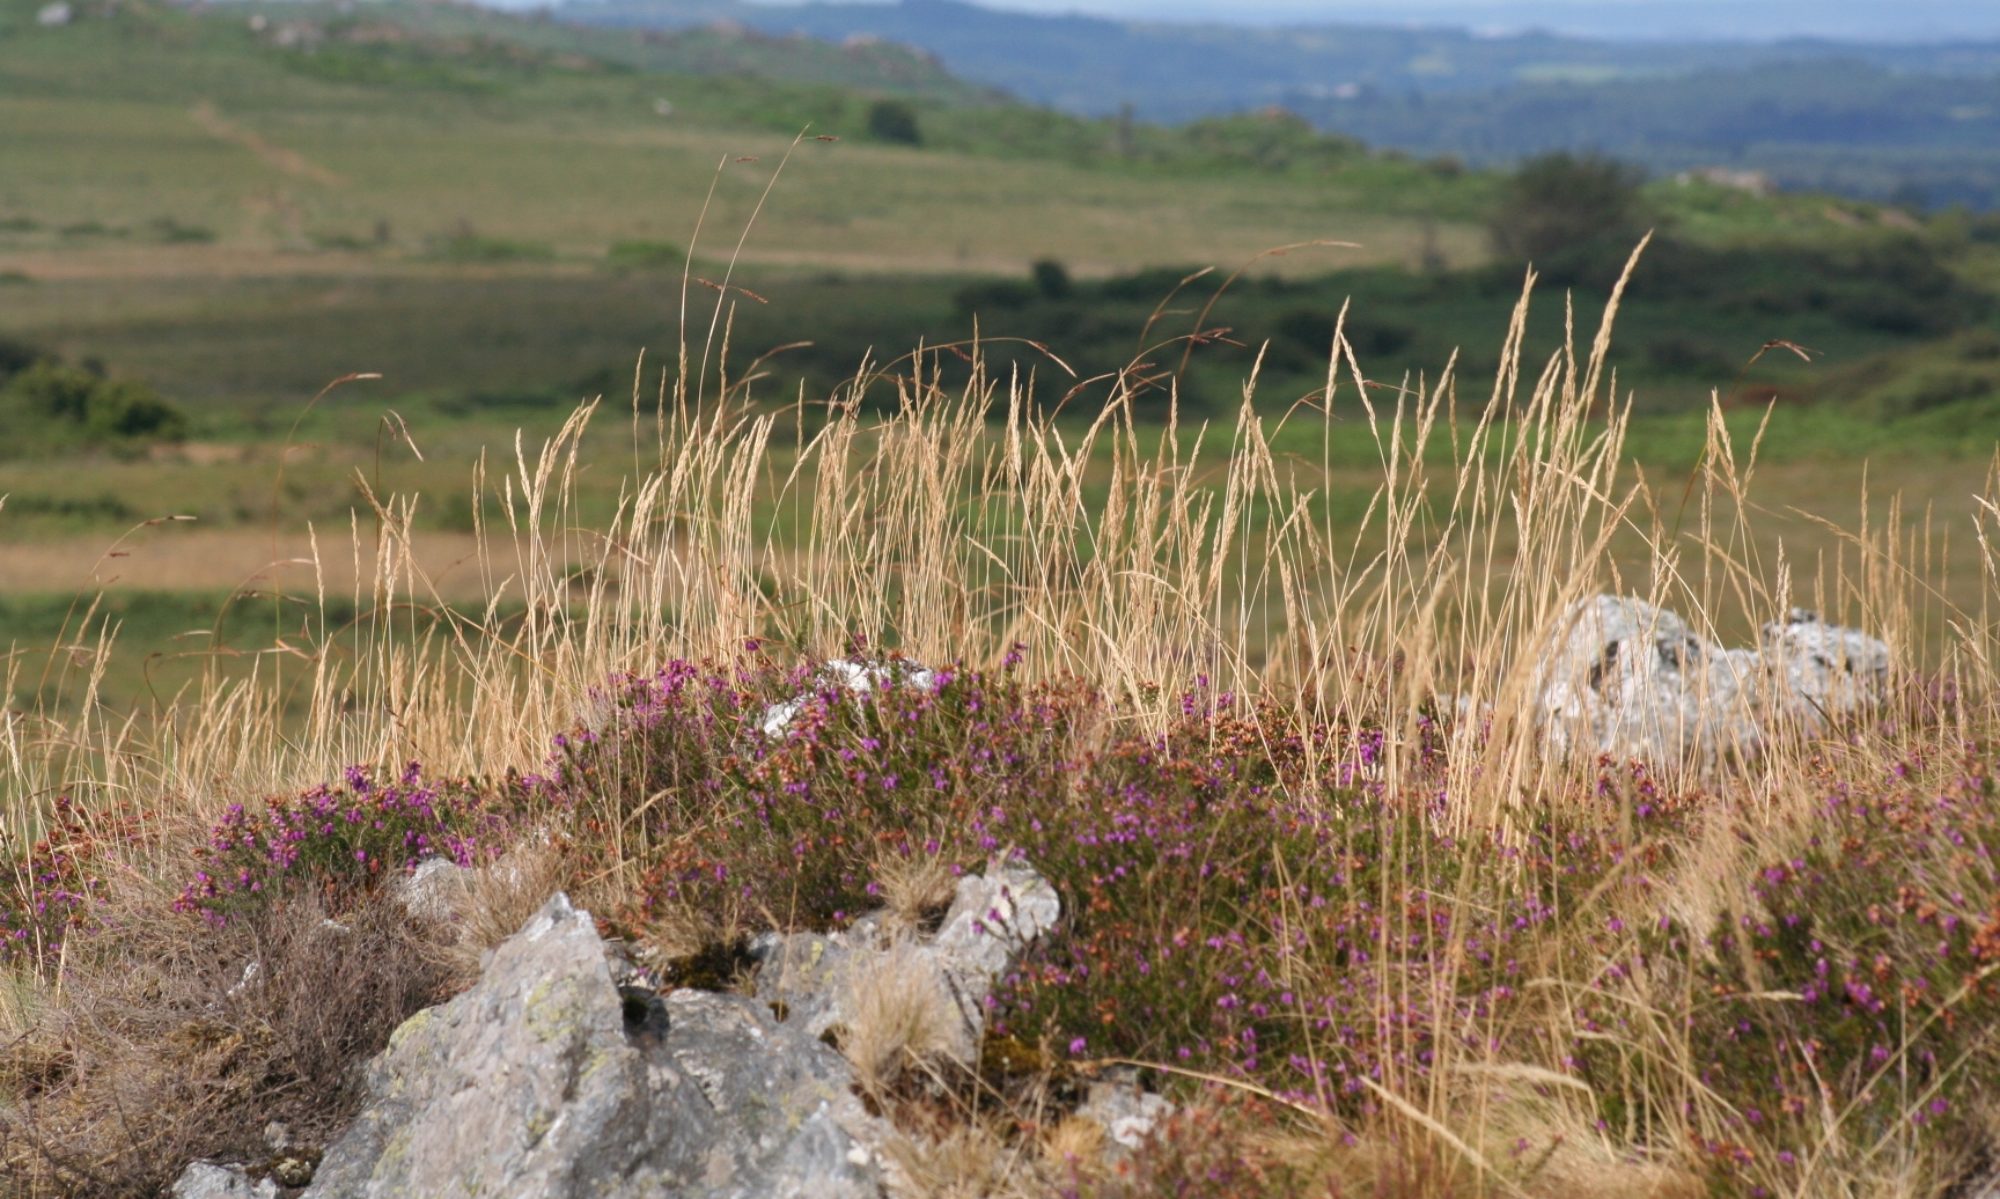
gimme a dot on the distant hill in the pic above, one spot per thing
(1914, 122)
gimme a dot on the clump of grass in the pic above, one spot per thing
(169, 1044)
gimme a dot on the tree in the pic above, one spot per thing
(1565, 204)
(894, 121)
(1051, 278)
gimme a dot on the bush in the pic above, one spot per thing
(1561, 203)
(1051, 278)
(169, 231)
(474, 248)
(1000, 295)
(57, 404)
(337, 841)
(895, 122)
(1222, 912)
(1854, 977)
(17, 356)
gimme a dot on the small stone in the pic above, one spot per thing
(434, 890)
(294, 1171)
(1127, 1112)
(207, 1180)
(852, 675)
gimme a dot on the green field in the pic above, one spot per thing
(502, 218)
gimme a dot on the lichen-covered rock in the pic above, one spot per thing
(784, 1100)
(815, 978)
(1626, 678)
(544, 1079)
(557, 1077)
(1824, 671)
(993, 917)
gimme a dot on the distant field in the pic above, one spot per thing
(495, 222)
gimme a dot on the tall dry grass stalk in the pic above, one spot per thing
(965, 519)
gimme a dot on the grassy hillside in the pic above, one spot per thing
(1911, 122)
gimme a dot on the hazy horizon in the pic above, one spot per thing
(1911, 21)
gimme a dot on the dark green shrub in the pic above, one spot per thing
(15, 357)
(1051, 278)
(55, 404)
(1000, 295)
(1562, 202)
(895, 122)
(474, 247)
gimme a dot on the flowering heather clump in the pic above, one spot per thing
(1228, 908)
(1237, 915)
(790, 827)
(1246, 897)
(1856, 982)
(337, 837)
(654, 756)
(54, 889)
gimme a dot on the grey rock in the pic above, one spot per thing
(1126, 1111)
(1626, 678)
(1825, 671)
(992, 918)
(563, 1073)
(278, 1136)
(544, 1079)
(785, 1098)
(814, 978)
(434, 890)
(852, 675)
(808, 977)
(206, 1180)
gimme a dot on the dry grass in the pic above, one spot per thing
(902, 1020)
(186, 1045)
(952, 530)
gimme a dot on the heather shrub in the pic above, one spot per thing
(57, 888)
(800, 828)
(1852, 986)
(338, 839)
(1239, 896)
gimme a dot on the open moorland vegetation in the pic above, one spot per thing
(1323, 879)
(346, 525)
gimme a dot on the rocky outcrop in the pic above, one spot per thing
(545, 1079)
(206, 1180)
(563, 1074)
(1626, 678)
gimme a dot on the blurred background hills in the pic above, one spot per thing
(210, 211)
